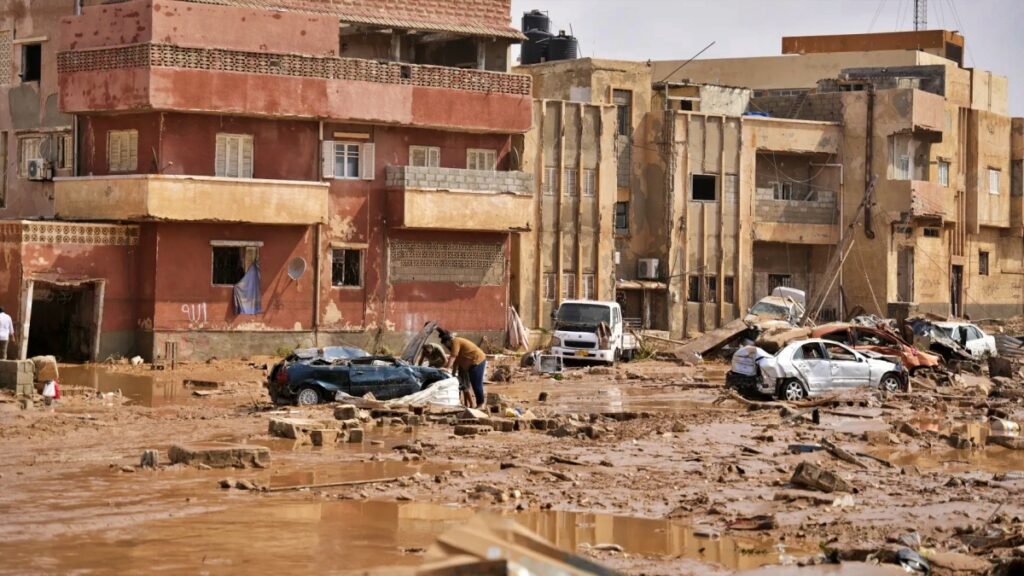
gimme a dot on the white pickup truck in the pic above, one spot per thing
(577, 327)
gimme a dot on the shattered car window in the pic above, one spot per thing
(770, 310)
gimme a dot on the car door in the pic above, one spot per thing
(847, 368)
(810, 362)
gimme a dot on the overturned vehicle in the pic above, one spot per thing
(313, 376)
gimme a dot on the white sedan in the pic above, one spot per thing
(812, 367)
(979, 344)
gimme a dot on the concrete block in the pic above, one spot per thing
(323, 437)
(471, 429)
(817, 478)
(346, 412)
(220, 455)
(355, 435)
(295, 428)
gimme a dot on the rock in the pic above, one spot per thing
(245, 485)
(294, 428)
(323, 437)
(220, 455)
(355, 436)
(876, 436)
(128, 469)
(471, 429)
(817, 478)
(346, 412)
(679, 427)
(149, 460)
(565, 431)
(226, 483)
(908, 429)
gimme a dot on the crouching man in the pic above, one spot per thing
(468, 358)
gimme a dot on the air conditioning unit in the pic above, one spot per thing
(648, 269)
(38, 169)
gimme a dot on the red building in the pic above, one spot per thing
(361, 152)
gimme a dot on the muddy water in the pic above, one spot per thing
(985, 457)
(268, 535)
(140, 389)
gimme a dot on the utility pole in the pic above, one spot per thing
(920, 15)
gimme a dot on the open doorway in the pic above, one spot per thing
(64, 320)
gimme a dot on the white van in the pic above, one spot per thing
(576, 332)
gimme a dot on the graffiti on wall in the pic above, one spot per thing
(196, 313)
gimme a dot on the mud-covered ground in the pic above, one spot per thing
(680, 477)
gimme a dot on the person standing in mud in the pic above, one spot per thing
(468, 357)
(6, 332)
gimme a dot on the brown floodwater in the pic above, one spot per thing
(272, 535)
(141, 389)
(984, 457)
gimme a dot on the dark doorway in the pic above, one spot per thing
(63, 321)
(956, 287)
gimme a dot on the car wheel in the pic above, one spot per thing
(307, 396)
(890, 383)
(792, 390)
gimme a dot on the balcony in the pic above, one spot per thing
(924, 199)
(154, 76)
(456, 199)
(144, 197)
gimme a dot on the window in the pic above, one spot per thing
(425, 156)
(899, 157)
(703, 187)
(589, 287)
(28, 148)
(931, 232)
(623, 100)
(993, 181)
(346, 160)
(479, 159)
(776, 280)
(982, 263)
(568, 285)
(65, 152)
(729, 290)
(589, 182)
(31, 62)
(549, 287)
(783, 190)
(123, 150)
(837, 352)
(944, 173)
(550, 180)
(693, 289)
(346, 267)
(231, 260)
(810, 351)
(711, 289)
(622, 217)
(572, 182)
(234, 156)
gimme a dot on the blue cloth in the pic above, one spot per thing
(247, 292)
(476, 378)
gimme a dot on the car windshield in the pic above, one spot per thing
(767, 309)
(583, 315)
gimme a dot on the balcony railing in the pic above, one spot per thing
(328, 68)
(457, 179)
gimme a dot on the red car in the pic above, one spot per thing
(880, 341)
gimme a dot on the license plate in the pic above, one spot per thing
(582, 353)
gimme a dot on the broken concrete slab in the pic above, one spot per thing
(1011, 442)
(817, 478)
(296, 428)
(220, 455)
(346, 412)
(323, 437)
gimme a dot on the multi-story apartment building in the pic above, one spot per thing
(240, 176)
(739, 175)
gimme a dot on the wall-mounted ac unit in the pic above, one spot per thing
(39, 169)
(648, 269)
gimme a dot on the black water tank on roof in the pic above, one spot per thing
(535, 49)
(536, 20)
(562, 47)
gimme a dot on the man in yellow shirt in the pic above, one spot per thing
(469, 358)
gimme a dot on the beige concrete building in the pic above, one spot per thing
(734, 176)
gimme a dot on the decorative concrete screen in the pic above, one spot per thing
(466, 263)
(88, 234)
(6, 57)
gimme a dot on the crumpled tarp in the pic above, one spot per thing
(247, 291)
(442, 393)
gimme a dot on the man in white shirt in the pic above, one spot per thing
(6, 332)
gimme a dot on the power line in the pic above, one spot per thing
(878, 12)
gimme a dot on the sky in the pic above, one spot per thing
(678, 29)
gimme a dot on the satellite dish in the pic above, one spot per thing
(296, 268)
